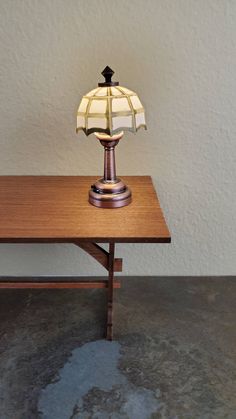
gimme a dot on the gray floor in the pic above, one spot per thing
(174, 354)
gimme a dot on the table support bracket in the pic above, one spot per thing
(100, 254)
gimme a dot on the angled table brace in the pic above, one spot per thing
(101, 255)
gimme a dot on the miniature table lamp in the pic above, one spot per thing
(108, 111)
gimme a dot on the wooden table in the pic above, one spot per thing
(55, 209)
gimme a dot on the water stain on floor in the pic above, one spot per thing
(91, 374)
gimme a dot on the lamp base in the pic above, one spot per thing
(109, 194)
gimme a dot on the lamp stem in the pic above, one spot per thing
(109, 160)
(109, 164)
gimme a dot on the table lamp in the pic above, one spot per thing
(108, 111)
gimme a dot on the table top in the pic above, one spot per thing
(56, 209)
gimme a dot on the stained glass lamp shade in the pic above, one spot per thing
(108, 111)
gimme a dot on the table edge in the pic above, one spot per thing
(74, 240)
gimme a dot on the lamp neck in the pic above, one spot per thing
(109, 142)
(109, 160)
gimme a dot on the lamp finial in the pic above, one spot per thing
(107, 74)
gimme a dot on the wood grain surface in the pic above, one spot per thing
(56, 209)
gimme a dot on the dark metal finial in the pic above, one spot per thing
(107, 74)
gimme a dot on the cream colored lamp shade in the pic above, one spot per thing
(110, 109)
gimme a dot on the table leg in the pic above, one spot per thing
(110, 291)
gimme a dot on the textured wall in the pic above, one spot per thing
(180, 57)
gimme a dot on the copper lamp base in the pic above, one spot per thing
(110, 191)
(109, 194)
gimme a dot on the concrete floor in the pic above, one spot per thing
(174, 354)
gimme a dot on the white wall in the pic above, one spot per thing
(180, 56)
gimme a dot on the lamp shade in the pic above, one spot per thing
(110, 109)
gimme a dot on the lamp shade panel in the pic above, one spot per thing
(110, 110)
